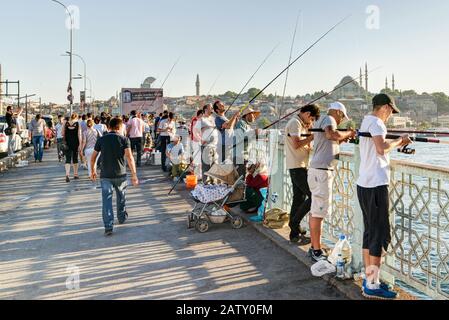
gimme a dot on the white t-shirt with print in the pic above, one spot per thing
(374, 168)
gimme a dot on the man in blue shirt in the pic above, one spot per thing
(114, 149)
(225, 127)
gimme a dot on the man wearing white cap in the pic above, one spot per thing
(321, 172)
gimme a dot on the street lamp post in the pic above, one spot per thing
(71, 55)
(85, 68)
(90, 88)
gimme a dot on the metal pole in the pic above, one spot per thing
(18, 93)
(71, 53)
(26, 108)
(85, 72)
(71, 61)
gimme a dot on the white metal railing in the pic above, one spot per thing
(419, 215)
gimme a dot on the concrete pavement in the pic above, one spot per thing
(51, 232)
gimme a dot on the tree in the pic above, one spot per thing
(264, 122)
(271, 97)
(253, 92)
(230, 95)
(442, 101)
(409, 93)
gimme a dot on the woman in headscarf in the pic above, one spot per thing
(256, 179)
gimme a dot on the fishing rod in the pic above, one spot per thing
(251, 78)
(411, 132)
(282, 107)
(288, 70)
(324, 95)
(163, 83)
(282, 72)
(404, 149)
(292, 63)
(213, 85)
(434, 133)
(241, 91)
(415, 139)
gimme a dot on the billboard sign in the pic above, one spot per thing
(142, 99)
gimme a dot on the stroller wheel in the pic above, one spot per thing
(202, 225)
(190, 221)
(237, 222)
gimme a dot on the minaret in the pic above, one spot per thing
(393, 86)
(197, 85)
(361, 83)
(366, 77)
(361, 78)
(386, 83)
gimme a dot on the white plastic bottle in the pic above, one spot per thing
(346, 250)
(340, 267)
(337, 250)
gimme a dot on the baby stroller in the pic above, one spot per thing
(212, 202)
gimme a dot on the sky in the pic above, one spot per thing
(123, 42)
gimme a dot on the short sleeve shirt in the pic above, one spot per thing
(209, 130)
(374, 168)
(295, 158)
(327, 152)
(219, 121)
(112, 147)
(136, 128)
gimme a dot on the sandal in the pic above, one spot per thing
(67, 179)
(76, 177)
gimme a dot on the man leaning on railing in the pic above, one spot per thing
(373, 195)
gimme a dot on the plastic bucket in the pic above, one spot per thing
(191, 181)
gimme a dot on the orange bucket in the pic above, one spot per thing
(191, 181)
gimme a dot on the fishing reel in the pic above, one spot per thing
(356, 139)
(406, 150)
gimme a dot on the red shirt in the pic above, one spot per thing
(258, 182)
(192, 124)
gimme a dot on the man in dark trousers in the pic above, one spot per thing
(114, 148)
(373, 193)
(135, 130)
(297, 150)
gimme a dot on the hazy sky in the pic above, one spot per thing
(123, 42)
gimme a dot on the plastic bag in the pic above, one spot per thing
(321, 268)
(276, 219)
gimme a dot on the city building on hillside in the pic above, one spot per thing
(350, 91)
(399, 122)
(424, 106)
(443, 121)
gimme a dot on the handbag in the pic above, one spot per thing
(64, 147)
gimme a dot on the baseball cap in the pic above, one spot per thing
(339, 106)
(383, 99)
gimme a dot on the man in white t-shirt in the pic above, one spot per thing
(166, 130)
(59, 137)
(209, 141)
(134, 130)
(297, 151)
(372, 192)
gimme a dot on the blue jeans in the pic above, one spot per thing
(38, 142)
(107, 187)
